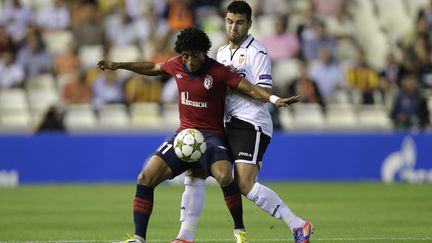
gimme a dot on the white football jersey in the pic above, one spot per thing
(251, 61)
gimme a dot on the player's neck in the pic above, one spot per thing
(235, 45)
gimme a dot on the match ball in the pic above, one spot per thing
(189, 145)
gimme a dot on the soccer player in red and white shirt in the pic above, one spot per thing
(202, 83)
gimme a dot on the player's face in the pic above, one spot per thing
(237, 27)
(193, 60)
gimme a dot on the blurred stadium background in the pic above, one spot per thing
(363, 68)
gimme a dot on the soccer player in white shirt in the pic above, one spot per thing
(248, 130)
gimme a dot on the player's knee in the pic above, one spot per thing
(144, 179)
(245, 185)
(224, 178)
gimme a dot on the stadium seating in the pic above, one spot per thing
(36, 4)
(14, 113)
(113, 116)
(90, 55)
(57, 41)
(145, 115)
(80, 118)
(13, 99)
(413, 6)
(14, 120)
(379, 25)
(374, 117)
(308, 116)
(122, 54)
(284, 72)
(393, 18)
(170, 116)
(286, 119)
(341, 116)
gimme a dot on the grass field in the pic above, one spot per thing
(342, 212)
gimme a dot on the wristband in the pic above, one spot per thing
(273, 98)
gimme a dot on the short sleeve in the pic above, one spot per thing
(167, 67)
(261, 69)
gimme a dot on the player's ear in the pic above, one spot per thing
(249, 24)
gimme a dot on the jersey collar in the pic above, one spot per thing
(206, 64)
(247, 42)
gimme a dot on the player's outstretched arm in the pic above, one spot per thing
(264, 95)
(144, 68)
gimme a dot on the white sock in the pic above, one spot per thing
(193, 199)
(139, 239)
(271, 203)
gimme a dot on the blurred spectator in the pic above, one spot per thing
(361, 77)
(282, 44)
(305, 28)
(417, 43)
(327, 74)
(142, 89)
(11, 73)
(69, 61)
(33, 56)
(6, 42)
(328, 7)
(428, 12)
(107, 89)
(54, 17)
(425, 73)
(180, 15)
(392, 72)
(88, 29)
(52, 121)
(122, 30)
(410, 107)
(341, 27)
(315, 40)
(277, 7)
(158, 26)
(305, 87)
(109, 6)
(16, 17)
(133, 8)
(204, 8)
(416, 55)
(162, 52)
(169, 92)
(76, 90)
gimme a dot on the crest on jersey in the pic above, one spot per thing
(208, 82)
(241, 58)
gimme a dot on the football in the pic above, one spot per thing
(189, 145)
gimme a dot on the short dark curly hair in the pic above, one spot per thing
(192, 39)
(240, 7)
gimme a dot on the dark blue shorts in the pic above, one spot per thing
(217, 149)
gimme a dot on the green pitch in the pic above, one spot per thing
(341, 212)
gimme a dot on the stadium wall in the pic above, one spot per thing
(96, 158)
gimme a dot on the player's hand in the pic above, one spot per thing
(107, 65)
(282, 102)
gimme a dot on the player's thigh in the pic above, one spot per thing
(155, 172)
(217, 159)
(168, 156)
(222, 171)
